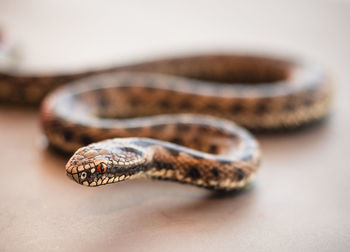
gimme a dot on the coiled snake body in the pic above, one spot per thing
(144, 102)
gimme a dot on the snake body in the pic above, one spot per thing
(148, 101)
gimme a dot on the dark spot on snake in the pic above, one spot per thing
(186, 104)
(215, 171)
(194, 173)
(85, 139)
(205, 128)
(176, 140)
(168, 166)
(289, 107)
(101, 99)
(240, 174)
(159, 127)
(183, 127)
(213, 149)
(165, 103)
(163, 165)
(237, 108)
(134, 101)
(211, 106)
(308, 102)
(261, 109)
(56, 123)
(68, 135)
(196, 142)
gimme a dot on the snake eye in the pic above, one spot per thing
(83, 175)
(101, 168)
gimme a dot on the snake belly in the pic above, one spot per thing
(173, 119)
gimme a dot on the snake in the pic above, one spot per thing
(186, 119)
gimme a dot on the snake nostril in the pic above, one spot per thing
(83, 175)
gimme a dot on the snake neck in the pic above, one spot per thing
(213, 171)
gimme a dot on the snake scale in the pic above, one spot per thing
(174, 119)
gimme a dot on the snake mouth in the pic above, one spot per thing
(97, 181)
(76, 176)
(73, 173)
(73, 176)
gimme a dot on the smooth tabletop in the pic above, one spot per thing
(300, 200)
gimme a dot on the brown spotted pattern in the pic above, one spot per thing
(141, 100)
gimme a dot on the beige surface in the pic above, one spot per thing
(300, 201)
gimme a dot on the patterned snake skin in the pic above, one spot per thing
(148, 101)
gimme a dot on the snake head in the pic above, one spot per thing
(103, 163)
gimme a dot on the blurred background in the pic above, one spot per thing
(300, 200)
